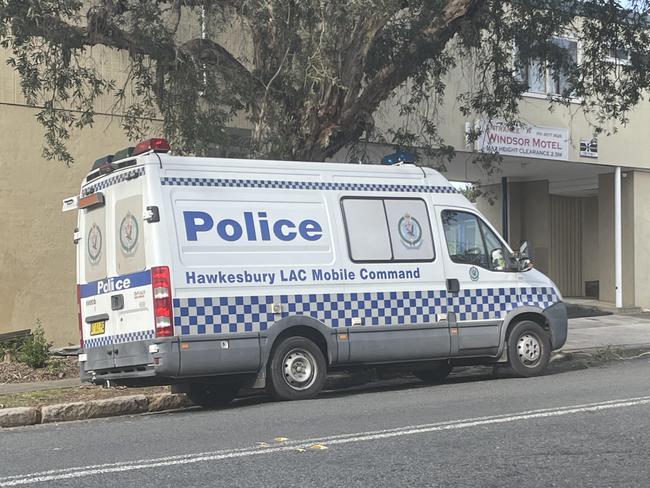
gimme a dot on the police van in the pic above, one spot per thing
(212, 274)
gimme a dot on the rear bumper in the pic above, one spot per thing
(174, 359)
(556, 316)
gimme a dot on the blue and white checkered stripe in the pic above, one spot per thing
(254, 313)
(119, 339)
(113, 180)
(304, 185)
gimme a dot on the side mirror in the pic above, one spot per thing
(523, 257)
(523, 250)
(498, 259)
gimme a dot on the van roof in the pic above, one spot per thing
(303, 168)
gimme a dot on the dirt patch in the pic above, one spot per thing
(57, 368)
(67, 395)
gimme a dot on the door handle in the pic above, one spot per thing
(117, 302)
(453, 285)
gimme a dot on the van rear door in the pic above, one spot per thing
(97, 329)
(132, 298)
(117, 301)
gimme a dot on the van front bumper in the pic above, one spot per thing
(556, 316)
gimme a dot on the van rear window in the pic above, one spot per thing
(387, 229)
(94, 240)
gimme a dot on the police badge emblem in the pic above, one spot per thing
(94, 244)
(410, 231)
(129, 233)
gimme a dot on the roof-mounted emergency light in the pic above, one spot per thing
(103, 163)
(400, 156)
(155, 144)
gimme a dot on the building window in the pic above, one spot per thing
(619, 57)
(543, 79)
(388, 229)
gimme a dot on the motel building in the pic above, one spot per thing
(581, 200)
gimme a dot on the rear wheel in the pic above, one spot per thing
(529, 348)
(297, 369)
(434, 374)
(213, 395)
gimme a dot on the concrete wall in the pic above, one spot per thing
(536, 221)
(37, 256)
(642, 239)
(590, 256)
(490, 204)
(624, 147)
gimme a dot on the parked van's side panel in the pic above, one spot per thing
(258, 248)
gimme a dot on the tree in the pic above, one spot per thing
(310, 74)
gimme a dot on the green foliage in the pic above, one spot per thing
(34, 350)
(471, 192)
(311, 75)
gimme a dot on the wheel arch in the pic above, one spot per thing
(297, 325)
(535, 314)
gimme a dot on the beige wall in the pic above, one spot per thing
(37, 256)
(642, 238)
(490, 205)
(624, 147)
(536, 221)
(590, 256)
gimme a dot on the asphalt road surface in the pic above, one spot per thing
(585, 428)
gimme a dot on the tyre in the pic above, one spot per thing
(434, 374)
(213, 395)
(297, 369)
(529, 348)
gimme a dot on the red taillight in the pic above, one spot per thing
(81, 329)
(162, 301)
(156, 144)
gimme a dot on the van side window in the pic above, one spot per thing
(410, 230)
(471, 241)
(499, 256)
(388, 229)
(367, 229)
(464, 238)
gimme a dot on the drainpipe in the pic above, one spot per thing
(618, 257)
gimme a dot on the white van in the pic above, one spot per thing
(211, 274)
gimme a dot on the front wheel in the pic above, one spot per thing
(213, 395)
(297, 370)
(529, 348)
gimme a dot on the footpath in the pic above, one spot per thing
(600, 338)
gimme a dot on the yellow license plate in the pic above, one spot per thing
(97, 328)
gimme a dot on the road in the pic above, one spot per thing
(583, 428)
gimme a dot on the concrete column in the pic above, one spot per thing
(618, 253)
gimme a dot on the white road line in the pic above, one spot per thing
(101, 469)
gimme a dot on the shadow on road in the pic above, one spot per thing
(460, 375)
